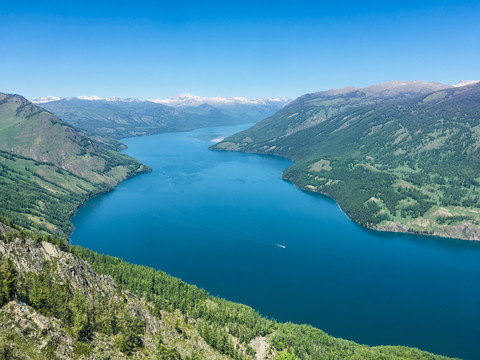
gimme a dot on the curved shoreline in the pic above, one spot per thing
(390, 226)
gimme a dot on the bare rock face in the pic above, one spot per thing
(393, 227)
(261, 345)
(463, 231)
(5, 229)
(21, 324)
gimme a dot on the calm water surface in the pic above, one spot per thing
(216, 219)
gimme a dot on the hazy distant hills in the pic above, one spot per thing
(123, 117)
(48, 168)
(401, 156)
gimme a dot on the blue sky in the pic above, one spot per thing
(248, 48)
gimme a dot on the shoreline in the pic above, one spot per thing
(389, 227)
(142, 169)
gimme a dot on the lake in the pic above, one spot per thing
(227, 222)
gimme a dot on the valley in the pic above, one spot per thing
(188, 208)
(246, 180)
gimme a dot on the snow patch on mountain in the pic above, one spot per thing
(184, 100)
(47, 99)
(465, 83)
(44, 100)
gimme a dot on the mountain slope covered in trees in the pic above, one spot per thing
(48, 168)
(406, 164)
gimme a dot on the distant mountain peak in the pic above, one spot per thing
(181, 100)
(390, 88)
(47, 99)
(187, 99)
(465, 83)
(44, 100)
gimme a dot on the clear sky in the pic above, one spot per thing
(152, 49)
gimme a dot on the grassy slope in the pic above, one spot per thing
(403, 165)
(312, 109)
(48, 168)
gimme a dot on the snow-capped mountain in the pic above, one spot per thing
(465, 83)
(44, 100)
(123, 117)
(184, 100)
(112, 99)
(48, 99)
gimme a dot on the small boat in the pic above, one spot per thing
(282, 246)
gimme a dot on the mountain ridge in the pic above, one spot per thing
(184, 99)
(118, 119)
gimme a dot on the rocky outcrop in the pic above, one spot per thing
(25, 332)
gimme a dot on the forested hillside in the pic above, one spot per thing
(407, 164)
(48, 168)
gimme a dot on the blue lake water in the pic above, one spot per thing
(216, 220)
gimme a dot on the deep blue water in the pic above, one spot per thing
(215, 219)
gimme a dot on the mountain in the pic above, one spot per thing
(185, 100)
(465, 82)
(48, 168)
(120, 117)
(397, 156)
(312, 109)
(48, 99)
(64, 302)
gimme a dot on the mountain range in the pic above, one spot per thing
(220, 101)
(123, 117)
(181, 100)
(398, 156)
